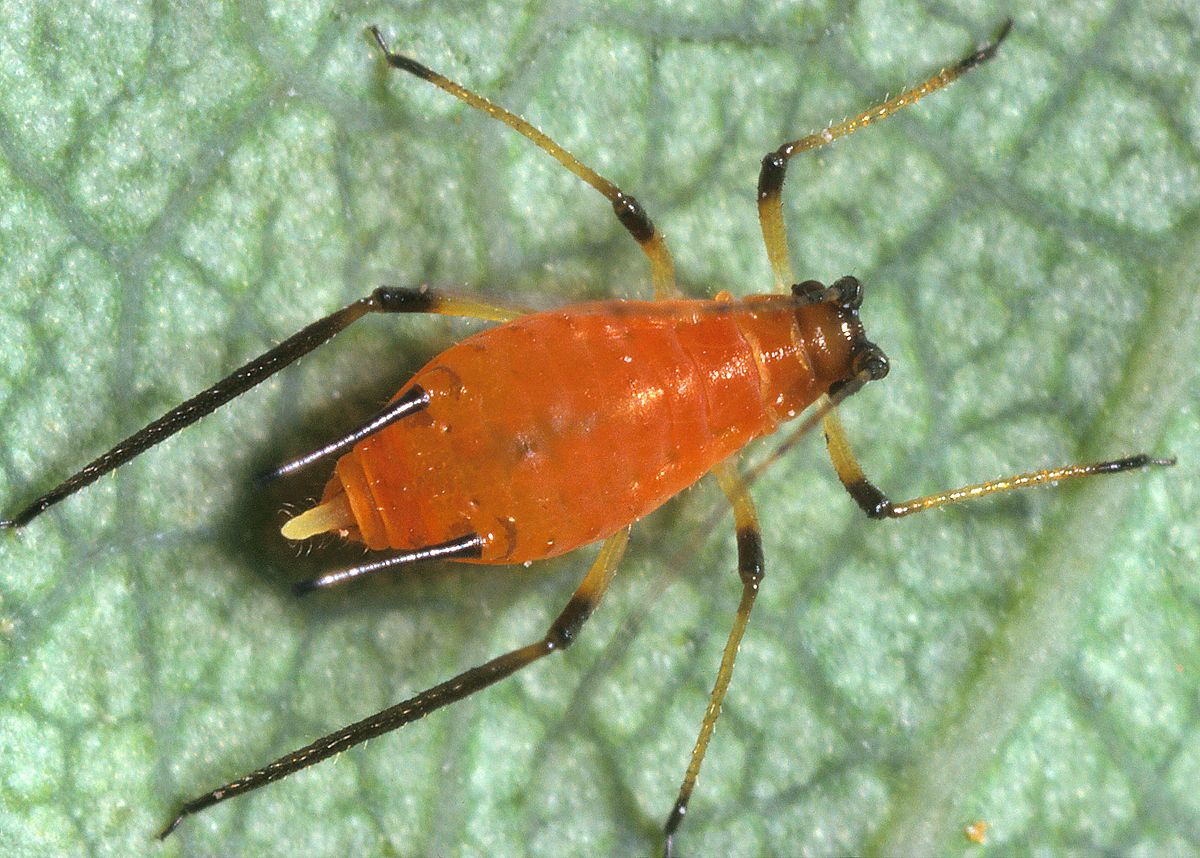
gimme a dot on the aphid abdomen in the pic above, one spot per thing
(559, 428)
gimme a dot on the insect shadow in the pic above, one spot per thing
(257, 506)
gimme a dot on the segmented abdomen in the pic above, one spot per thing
(559, 428)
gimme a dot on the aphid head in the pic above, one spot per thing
(857, 360)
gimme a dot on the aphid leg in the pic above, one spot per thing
(750, 570)
(388, 299)
(877, 505)
(403, 299)
(627, 209)
(559, 636)
(774, 165)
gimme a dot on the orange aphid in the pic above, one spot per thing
(560, 428)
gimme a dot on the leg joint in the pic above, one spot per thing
(565, 628)
(870, 499)
(674, 818)
(401, 299)
(751, 566)
(561, 635)
(633, 217)
(770, 177)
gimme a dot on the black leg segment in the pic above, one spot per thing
(201, 405)
(389, 299)
(558, 637)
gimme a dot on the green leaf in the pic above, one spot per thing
(181, 189)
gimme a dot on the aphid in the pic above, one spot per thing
(476, 459)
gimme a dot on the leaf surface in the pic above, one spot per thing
(179, 189)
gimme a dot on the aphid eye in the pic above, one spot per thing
(812, 291)
(871, 360)
(850, 294)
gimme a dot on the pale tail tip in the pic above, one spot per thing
(332, 515)
(301, 526)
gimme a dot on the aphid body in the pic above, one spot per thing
(560, 428)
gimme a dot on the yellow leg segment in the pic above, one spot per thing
(877, 505)
(750, 570)
(627, 209)
(774, 165)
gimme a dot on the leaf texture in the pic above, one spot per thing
(181, 188)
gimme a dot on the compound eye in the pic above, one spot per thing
(850, 292)
(871, 361)
(811, 291)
